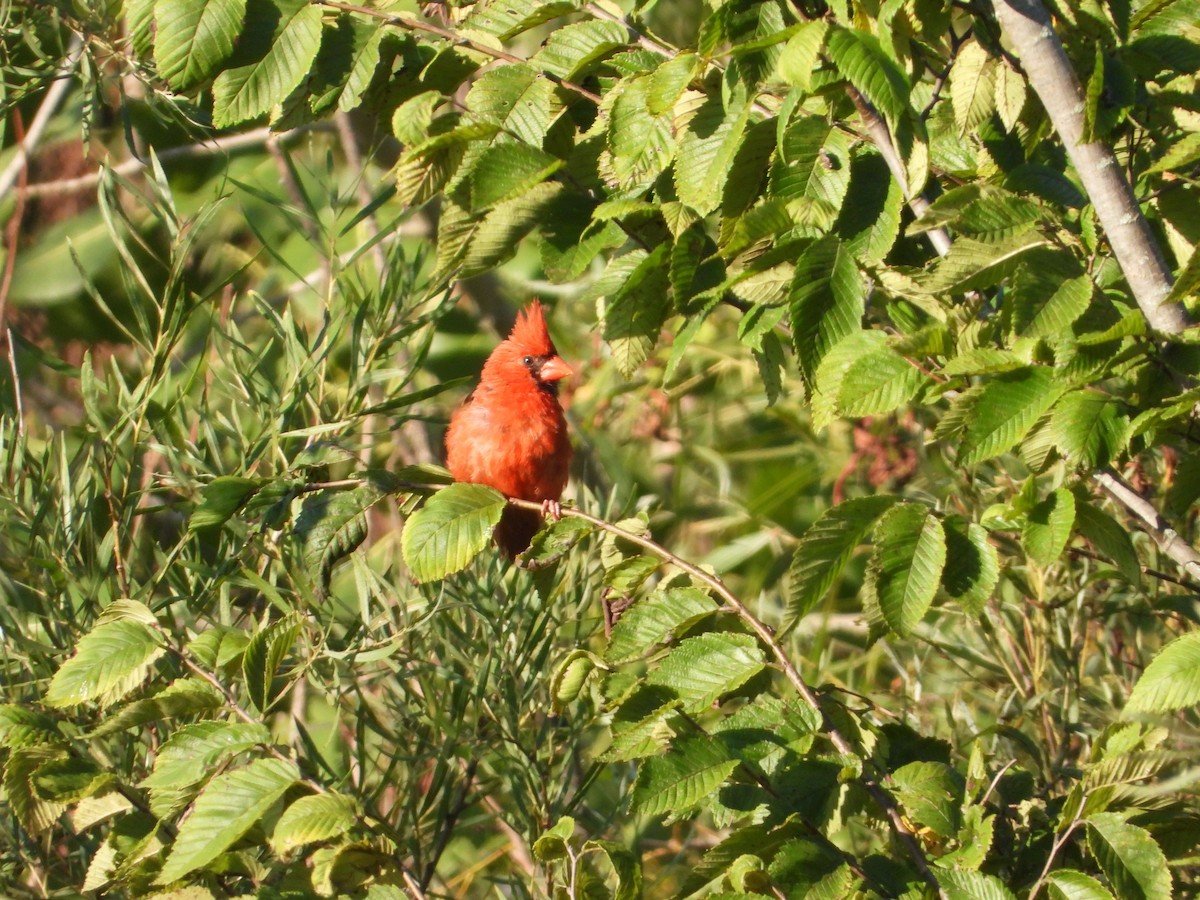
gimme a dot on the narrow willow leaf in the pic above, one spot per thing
(220, 499)
(653, 619)
(1069, 884)
(1172, 680)
(1088, 428)
(450, 530)
(1004, 410)
(311, 819)
(1049, 527)
(109, 662)
(193, 38)
(571, 49)
(185, 697)
(910, 554)
(506, 170)
(517, 99)
(932, 795)
(1130, 857)
(826, 302)
(275, 50)
(229, 807)
(878, 383)
(702, 669)
(972, 565)
(264, 655)
(860, 58)
(681, 780)
(825, 548)
(1110, 539)
(706, 149)
(972, 86)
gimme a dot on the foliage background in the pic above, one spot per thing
(261, 248)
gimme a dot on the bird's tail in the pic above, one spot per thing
(516, 529)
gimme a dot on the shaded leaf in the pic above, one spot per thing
(450, 530)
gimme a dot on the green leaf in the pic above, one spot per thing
(877, 383)
(653, 619)
(706, 150)
(1088, 428)
(700, 670)
(825, 548)
(639, 141)
(552, 844)
(800, 55)
(869, 218)
(450, 530)
(1010, 94)
(33, 812)
(22, 727)
(411, 120)
(1129, 857)
(813, 162)
(515, 98)
(192, 38)
(191, 755)
(910, 554)
(310, 819)
(1042, 316)
(826, 302)
(681, 780)
(860, 58)
(1172, 680)
(634, 314)
(70, 780)
(495, 238)
(1049, 527)
(423, 170)
(573, 48)
(1068, 884)
(276, 49)
(1108, 537)
(331, 525)
(570, 676)
(972, 86)
(220, 499)
(668, 82)
(229, 807)
(184, 697)
(961, 884)
(932, 795)
(263, 655)
(506, 170)
(345, 65)
(1004, 410)
(972, 565)
(109, 662)
(975, 264)
(626, 865)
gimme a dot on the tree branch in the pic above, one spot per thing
(1027, 25)
(1168, 539)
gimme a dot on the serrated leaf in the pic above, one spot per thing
(1108, 537)
(702, 669)
(932, 795)
(423, 170)
(109, 662)
(860, 58)
(191, 755)
(634, 314)
(1036, 316)
(682, 779)
(1049, 526)
(706, 150)
(507, 170)
(910, 554)
(825, 548)
(22, 727)
(799, 57)
(1010, 94)
(192, 38)
(1004, 410)
(869, 219)
(813, 161)
(226, 809)
(70, 779)
(1172, 680)
(495, 238)
(962, 884)
(573, 48)
(972, 86)
(515, 98)
(826, 302)
(974, 264)
(878, 383)
(320, 817)
(653, 619)
(668, 82)
(1068, 884)
(220, 499)
(331, 525)
(1088, 428)
(1130, 858)
(972, 565)
(34, 813)
(639, 141)
(275, 50)
(626, 865)
(345, 65)
(450, 530)
(264, 655)
(184, 697)
(411, 120)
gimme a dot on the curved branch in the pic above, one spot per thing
(1027, 25)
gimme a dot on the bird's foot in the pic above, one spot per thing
(552, 510)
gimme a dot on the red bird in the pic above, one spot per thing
(510, 432)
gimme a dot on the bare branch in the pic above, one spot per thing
(1168, 539)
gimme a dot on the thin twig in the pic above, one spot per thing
(41, 120)
(1168, 539)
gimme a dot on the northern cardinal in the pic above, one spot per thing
(510, 432)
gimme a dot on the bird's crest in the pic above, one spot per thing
(530, 334)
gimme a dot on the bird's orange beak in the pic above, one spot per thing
(553, 369)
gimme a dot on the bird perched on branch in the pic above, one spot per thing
(510, 432)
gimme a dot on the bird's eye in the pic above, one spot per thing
(528, 360)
